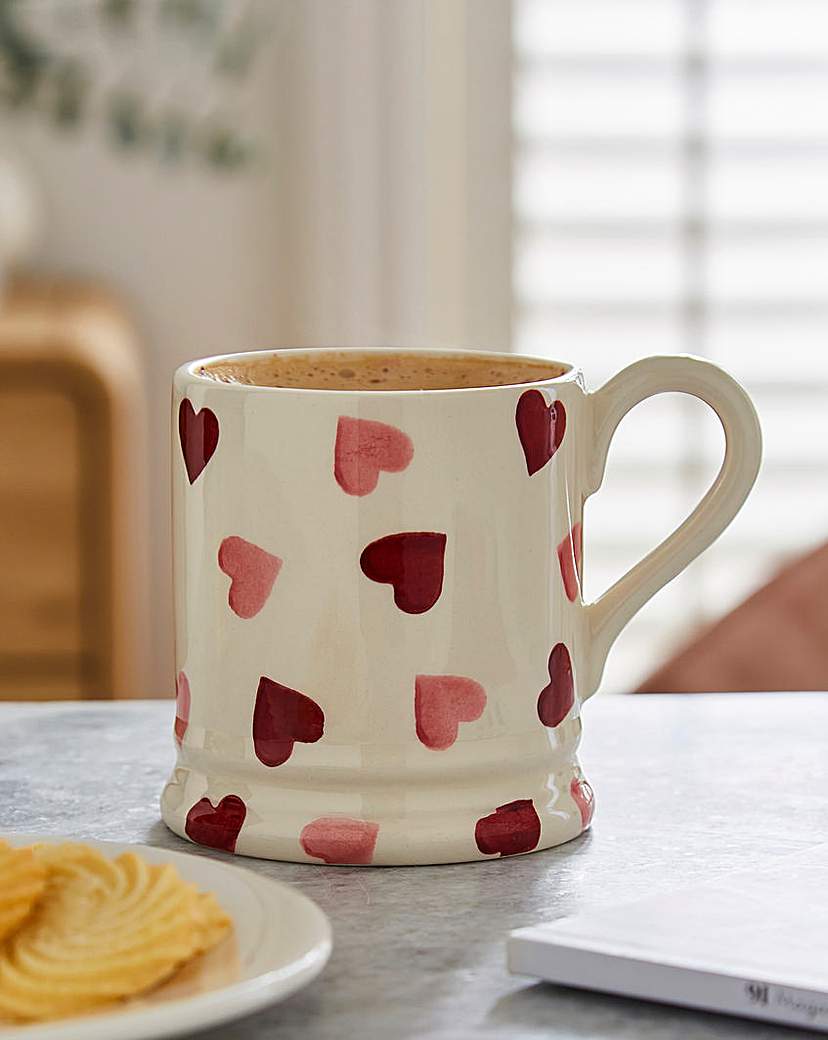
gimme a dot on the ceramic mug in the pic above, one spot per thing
(382, 645)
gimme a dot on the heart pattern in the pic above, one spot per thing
(540, 427)
(216, 826)
(556, 698)
(252, 572)
(340, 839)
(282, 717)
(182, 706)
(511, 829)
(441, 703)
(583, 797)
(365, 448)
(412, 562)
(569, 558)
(199, 435)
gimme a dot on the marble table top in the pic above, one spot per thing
(687, 788)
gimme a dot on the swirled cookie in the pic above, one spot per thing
(104, 930)
(22, 881)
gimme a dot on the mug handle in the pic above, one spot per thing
(607, 616)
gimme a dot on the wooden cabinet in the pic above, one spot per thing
(73, 507)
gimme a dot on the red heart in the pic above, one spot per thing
(199, 434)
(569, 558)
(252, 571)
(182, 706)
(584, 798)
(540, 427)
(363, 448)
(511, 828)
(216, 826)
(412, 562)
(339, 839)
(558, 696)
(441, 703)
(281, 717)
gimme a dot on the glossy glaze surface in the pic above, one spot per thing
(381, 630)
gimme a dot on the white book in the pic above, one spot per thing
(754, 944)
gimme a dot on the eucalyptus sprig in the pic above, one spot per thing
(52, 83)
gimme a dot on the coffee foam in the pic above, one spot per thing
(379, 370)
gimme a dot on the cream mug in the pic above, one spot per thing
(382, 646)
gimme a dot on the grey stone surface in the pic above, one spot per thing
(687, 788)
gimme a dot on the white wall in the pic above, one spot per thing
(381, 213)
(394, 139)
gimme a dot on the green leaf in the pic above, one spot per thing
(22, 60)
(69, 90)
(119, 13)
(225, 150)
(127, 122)
(173, 135)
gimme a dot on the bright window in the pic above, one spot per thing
(671, 195)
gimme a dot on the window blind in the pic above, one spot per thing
(671, 195)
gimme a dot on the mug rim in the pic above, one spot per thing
(191, 370)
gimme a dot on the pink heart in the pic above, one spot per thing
(199, 434)
(252, 572)
(182, 706)
(363, 449)
(509, 830)
(441, 703)
(339, 839)
(216, 826)
(583, 797)
(556, 698)
(540, 427)
(280, 718)
(569, 558)
(412, 562)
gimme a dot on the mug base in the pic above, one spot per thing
(252, 821)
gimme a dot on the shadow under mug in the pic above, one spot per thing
(382, 645)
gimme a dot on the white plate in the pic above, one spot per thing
(282, 942)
